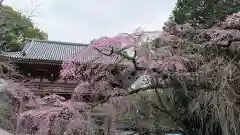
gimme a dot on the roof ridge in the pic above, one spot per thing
(60, 42)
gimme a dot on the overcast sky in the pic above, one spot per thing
(83, 20)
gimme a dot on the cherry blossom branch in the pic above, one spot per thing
(134, 91)
(132, 59)
(110, 53)
(125, 56)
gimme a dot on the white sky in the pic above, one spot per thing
(84, 20)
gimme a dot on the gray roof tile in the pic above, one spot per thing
(47, 50)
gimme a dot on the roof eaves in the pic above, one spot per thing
(60, 42)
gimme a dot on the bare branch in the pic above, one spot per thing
(31, 14)
(1, 2)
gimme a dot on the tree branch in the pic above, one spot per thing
(132, 59)
(135, 91)
(125, 56)
(169, 114)
(1, 2)
(111, 52)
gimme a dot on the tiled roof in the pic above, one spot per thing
(89, 54)
(46, 50)
(39, 50)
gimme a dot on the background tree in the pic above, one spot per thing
(203, 12)
(13, 32)
(16, 28)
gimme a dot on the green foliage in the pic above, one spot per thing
(15, 28)
(203, 12)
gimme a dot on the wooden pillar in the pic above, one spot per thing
(41, 79)
(108, 126)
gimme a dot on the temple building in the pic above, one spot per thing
(40, 61)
